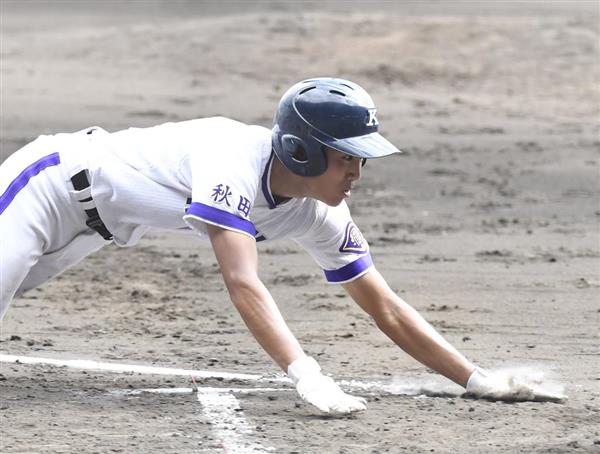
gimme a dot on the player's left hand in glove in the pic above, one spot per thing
(512, 386)
(321, 391)
(484, 385)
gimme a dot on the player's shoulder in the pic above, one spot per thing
(227, 127)
(227, 135)
(218, 127)
(214, 123)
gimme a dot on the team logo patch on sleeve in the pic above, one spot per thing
(353, 240)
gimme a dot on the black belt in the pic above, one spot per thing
(80, 182)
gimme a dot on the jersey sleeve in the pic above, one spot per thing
(337, 245)
(225, 178)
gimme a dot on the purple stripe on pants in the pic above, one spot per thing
(21, 181)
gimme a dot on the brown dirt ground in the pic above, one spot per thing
(488, 224)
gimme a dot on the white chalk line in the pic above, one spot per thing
(203, 389)
(351, 385)
(228, 423)
(132, 368)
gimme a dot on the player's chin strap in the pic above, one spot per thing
(81, 184)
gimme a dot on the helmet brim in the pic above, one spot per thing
(369, 146)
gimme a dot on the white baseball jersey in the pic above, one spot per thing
(175, 176)
(144, 177)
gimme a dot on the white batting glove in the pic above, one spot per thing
(484, 385)
(321, 391)
(513, 386)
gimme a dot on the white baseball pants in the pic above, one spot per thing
(42, 226)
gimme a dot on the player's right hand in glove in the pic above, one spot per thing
(321, 391)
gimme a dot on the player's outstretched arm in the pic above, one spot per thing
(411, 332)
(414, 335)
(237, 257)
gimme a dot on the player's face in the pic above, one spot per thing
(335, 184)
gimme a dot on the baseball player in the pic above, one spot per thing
(66, 196)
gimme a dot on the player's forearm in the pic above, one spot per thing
(264, 320)
(411, 332)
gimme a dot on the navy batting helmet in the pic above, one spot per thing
(328, 112)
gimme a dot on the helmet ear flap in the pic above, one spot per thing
(307, 157)
(294, 147)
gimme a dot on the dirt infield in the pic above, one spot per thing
(488, 225)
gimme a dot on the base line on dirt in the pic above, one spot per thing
(137, 392)
(228, 422)
(133, 368)
(376, 388)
